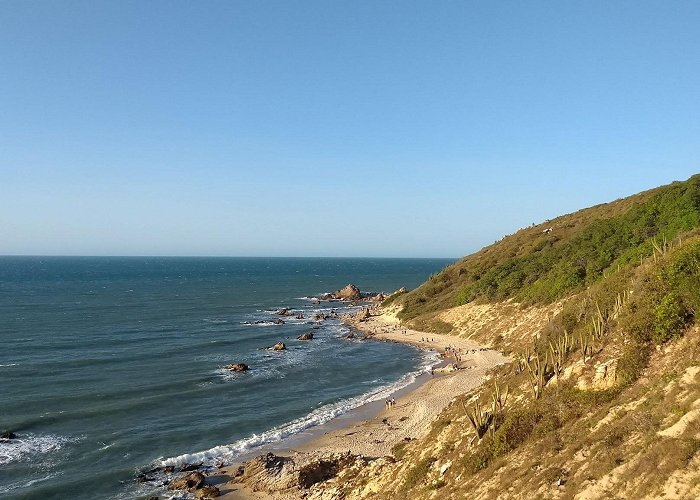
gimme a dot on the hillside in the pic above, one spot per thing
(603, 399)
(601, 317)
(545, 263)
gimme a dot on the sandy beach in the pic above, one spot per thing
(464, 368)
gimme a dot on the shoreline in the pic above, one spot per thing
(373, 429)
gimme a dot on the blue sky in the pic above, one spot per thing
(358, 128)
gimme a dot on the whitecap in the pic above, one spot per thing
(26, 447)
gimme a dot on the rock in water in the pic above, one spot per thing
(306, 336)
(283, 312)
(8, 435)
(191, 481)
(236, 367)
(350, 292)
(279, 346)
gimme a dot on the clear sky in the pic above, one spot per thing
(332, 128)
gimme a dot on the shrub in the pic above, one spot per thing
(418, 473)
(670, 319)
(634, 359)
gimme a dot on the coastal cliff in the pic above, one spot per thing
(599, 312)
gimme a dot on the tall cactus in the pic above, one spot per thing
(536, 370)
(481, 420)
(585, 346)
(499, 399)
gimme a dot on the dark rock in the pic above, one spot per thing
(350, 336)
(299, 315)
(306, 336)
(189, 482)
(235, 367)
(319, 316)
(190, 467)
(8, 435)
(283, 312)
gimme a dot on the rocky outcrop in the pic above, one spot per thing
(236, 367)
(306, 336)
(293, 476)
(188, 482)
(284, 311)
(7, 436)
(265, 322)
(207, 492)
(319, 316)
(279, 346)
(349, 292)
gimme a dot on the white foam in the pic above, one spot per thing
(27, 446)
(228, 453)
(10, 364)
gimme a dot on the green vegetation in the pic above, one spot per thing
(418, 473)
(538, 266)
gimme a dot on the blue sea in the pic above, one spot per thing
(109, 366)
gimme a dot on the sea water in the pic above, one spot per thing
(112, 365)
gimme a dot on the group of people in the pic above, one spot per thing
(389, 403)
(457, 353)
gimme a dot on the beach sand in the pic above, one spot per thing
(380, 428)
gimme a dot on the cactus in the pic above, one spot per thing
(558, 351)
(536, 370)
(620, 302)
(499, 399)
(480, 420)
(598, 322)
(585, 345)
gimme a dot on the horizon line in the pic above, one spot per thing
(218, 256)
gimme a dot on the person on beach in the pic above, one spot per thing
(393, 402)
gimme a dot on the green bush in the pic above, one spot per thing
(418, 473)
(670, 319)
(630, 366)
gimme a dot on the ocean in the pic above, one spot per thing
(109, 366)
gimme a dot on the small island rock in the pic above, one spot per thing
(306, 336)
(236, 367)
(349, 292)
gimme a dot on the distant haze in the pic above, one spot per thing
(317, 128)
